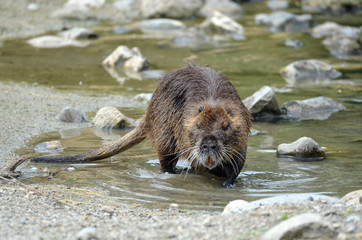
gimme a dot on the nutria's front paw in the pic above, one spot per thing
(228, 185)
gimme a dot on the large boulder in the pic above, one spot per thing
(226, 7)
(308, 72)
(304, 148)
(280, 21)
(263, 105)
(319, 108)
(170, 8)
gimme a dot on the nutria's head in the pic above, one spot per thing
(217, 134)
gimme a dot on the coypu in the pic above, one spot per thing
(195, 113)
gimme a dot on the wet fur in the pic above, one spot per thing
(190, 106)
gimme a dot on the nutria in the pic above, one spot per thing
(194, 113)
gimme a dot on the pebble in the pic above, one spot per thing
(107, 209)
(110, 117)
(51, 146)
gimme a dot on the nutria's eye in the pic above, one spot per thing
(201, 109)
(228, 112)
(198, 126)
(226, 127)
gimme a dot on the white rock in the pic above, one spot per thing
(284, 21)
(226, 7)
(332, 28)
(221, 24)
(304, 147)
(74, 6)
(51, 146)
(233, 205)
(33, 7)
(54, 42)
(110, 117)
(170, 8)
(143, 97)
(305, 226)
(354, 197)
(87, 234)
(159, 24)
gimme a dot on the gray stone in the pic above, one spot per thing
(263, 104)
(159, 24)
(304, 226)
(129, 8)
(51, 146)
(332, 28)
(110, 117)
(78, 34)
(293, 43)
(87, 233)
(170, 8)
(354, 197)
(342, 46)
(143, 97)
(308, 72)
(334, 6)
(283, 21)
(222, 24)
(277, 4)
(74, 8)
(121, 30)
(304, 148)
(69, 114)
(55, 42)
(231, 206)
(226, 7)
(319, 108)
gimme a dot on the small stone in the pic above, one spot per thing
(332, 28)
(304, 148)
(293, 43)
(159, 25)
(305, 226)
(226, 7)
(107, 209)
(354, 197)
(342, 46)
(234, 205)
(279, 21)
(87, 233)
(319, 108)
(54, 42)
(208, 222)
(69, 114)
(308, 73)
(174, 206)
(143, 97)
(170, 8)
(263, 104)
(328, 6)
(51, 146)
(33, 7)
(277, 4)
(121, 30)
(78, 34)
(110, 117)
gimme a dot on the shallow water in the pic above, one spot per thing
(133, 175)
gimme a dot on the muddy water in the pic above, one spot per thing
(133, 175)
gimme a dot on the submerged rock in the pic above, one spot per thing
(283, 21)
(334, 6)
(69, 114)
(302, 226)
(342, 46)
(293, 43)
(78, 34)
(170, 8)
(308, 72)
(192, 38)
(131, 59)
(331, 28)
(55, 42)
(304, 148)
(222, 24)
(263, 104)
(51, 146)
(159, 25)
(226, 7)
(319, 108)
(110, 117)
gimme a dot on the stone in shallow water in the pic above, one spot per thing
(263, 104)
(279, 21)
(304, 148)
(308, 73)
(170, 8)
(220, 23)
(319, 108)
(332, 28)
(110, 117)
(55, 42)
(51, 146)
(342, 46)
(78, 34)
(69, 114)
(226, 7)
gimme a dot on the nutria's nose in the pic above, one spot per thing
(209, 144)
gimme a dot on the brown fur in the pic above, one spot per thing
(196, 113)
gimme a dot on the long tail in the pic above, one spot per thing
(127, 141)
